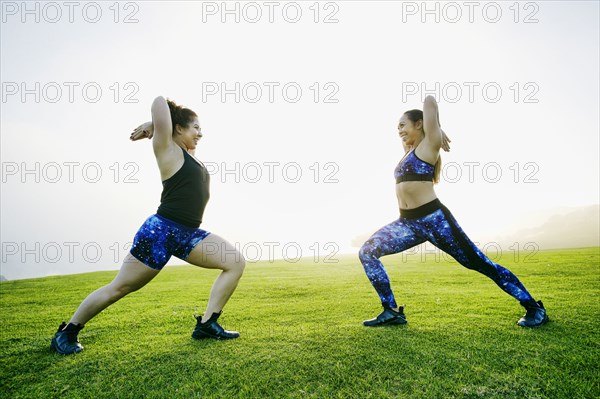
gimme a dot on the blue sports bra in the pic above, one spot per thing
(412, 168)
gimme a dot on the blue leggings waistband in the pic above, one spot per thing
(422, 210)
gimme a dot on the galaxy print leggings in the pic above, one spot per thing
(431, 222)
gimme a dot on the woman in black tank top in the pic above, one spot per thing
(173, 230)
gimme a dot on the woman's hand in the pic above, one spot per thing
(445, 142)
(145, 130)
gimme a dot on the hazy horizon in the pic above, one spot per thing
(551, 233)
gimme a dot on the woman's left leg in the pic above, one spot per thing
(446, 234)
(214, 252)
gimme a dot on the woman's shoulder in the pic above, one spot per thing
(426, 152)
(169, 155)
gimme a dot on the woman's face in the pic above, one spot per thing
(190, 135)
(409, 132)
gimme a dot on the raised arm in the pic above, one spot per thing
(161, 121)
(431, 124)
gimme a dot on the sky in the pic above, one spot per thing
(299, 104)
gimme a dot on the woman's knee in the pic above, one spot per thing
(488, 269)
(239, 265)
(367, 251)
(233, 262)
(118, 291)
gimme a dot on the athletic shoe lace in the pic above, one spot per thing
(72, 336)
(531, 313)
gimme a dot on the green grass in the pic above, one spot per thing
(302, 335)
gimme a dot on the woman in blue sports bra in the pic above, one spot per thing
(424, 218)
(172, 231)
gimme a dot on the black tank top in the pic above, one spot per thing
(186, 193)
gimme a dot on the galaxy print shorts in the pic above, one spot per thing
(159, 238)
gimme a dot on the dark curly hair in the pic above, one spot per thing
(180, 115)
(415, 115)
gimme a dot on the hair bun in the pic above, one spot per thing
(174, 108)
(180, 115)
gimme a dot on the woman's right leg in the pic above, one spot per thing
(132, 276)
(390, 239)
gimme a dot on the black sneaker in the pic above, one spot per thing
(65, 340)
(212, 329)
(388, 317)
(535, 316)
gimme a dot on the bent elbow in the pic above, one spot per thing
(430, 101)
(158, 102)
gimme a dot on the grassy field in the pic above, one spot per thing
(302, 334)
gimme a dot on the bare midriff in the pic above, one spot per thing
(413, 194)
